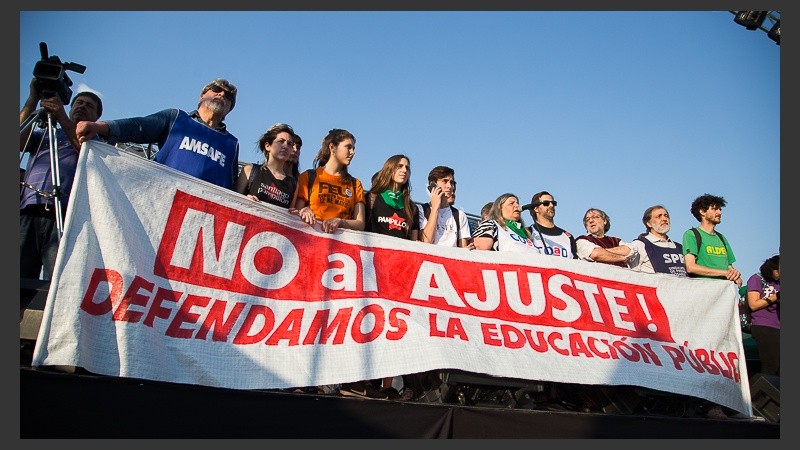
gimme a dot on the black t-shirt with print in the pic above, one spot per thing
(383, 219)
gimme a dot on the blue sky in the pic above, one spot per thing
(617, 110)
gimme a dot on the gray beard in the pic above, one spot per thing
(662, 230)
(215, 105)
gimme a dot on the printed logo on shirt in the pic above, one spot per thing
(327, 188)
(672, 258)
(395, 222)
(333, 194)
(556, 251)
(202, 148)
(552, 248)
(677, 270)
(711, 250)
(521, 239)
(274, 193)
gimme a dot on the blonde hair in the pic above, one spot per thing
(496, 212)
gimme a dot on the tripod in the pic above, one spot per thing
(45, 119)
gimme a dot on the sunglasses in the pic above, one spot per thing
(546, 203)
(227, 94)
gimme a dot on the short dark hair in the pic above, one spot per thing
(772, 263)
(534, 202)
(92, 96)
(704, 202)
(269, 137)
(439, 172)
(537, 196)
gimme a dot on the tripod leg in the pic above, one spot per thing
(33, 118)
(55, 174)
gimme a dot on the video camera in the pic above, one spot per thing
(51, 76)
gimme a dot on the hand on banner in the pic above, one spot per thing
(331, 225)
(307, 215)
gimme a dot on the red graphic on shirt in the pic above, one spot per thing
(396, 222)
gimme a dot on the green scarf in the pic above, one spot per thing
(393, 198)
(516, 228)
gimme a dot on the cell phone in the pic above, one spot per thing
(431, 186)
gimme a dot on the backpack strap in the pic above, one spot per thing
(724, 241)
(454, 212)
(370, 199)
(312, 175)
(426, 209)
(698, 239)
(252, 177)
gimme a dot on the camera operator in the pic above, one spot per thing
(39, 233)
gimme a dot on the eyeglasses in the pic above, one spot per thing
(546, 203)
(228, 94)
(588, 218)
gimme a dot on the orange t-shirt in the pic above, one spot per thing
(331, 196)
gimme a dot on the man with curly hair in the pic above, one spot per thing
(706, 252)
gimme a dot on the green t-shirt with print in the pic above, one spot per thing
(713, 253)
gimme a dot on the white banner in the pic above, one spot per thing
(165, 277)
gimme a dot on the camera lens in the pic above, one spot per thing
(46, 70)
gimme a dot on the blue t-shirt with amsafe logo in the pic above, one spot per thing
(185, 143)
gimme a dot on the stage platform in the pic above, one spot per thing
(67, 402)
(70, 405)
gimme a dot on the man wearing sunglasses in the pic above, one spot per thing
(547, 237)
(197, 143)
